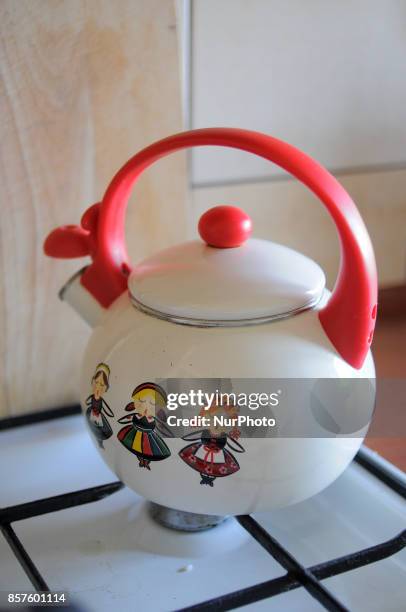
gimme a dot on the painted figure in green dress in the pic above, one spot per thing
(141, 434)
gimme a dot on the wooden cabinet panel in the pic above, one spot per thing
(85, 84)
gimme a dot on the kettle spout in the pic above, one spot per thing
(81, 300)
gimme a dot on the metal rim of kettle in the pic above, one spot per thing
(192, 322)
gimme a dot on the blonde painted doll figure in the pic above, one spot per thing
(140, 435)
(97, 408)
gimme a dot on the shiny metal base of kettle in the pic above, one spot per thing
(184, 521)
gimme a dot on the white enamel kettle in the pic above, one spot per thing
(227, 307)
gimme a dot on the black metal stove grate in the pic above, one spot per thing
(297, 576)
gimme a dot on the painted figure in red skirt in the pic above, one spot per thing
(97, 407)
(208, 454)
(140, 435)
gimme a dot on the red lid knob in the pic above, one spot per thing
(225, 227)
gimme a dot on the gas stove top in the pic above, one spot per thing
(65, 529)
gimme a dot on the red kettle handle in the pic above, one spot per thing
(349, 316)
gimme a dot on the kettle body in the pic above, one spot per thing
(224, 312)
(274, 472)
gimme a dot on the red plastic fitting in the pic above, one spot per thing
(225, 227)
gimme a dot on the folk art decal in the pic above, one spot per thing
(97, 408)
(141, 434)
(210, 452)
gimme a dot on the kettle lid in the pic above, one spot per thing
(228, 279)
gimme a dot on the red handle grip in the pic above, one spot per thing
(349, 316)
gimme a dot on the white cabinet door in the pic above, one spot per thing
(327, 76)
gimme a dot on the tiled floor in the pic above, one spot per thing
(389, 348)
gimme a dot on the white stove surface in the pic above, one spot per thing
(109, 554)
